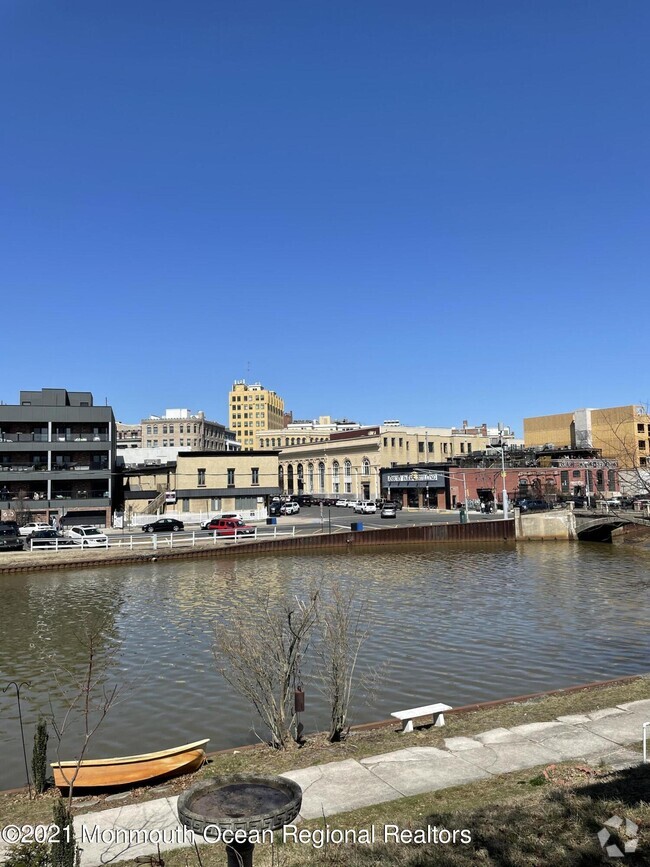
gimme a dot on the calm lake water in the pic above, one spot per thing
(456, 624)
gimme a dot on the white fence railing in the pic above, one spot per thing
(191, 540)
(156, 541)
(63, 544)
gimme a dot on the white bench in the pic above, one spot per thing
(407, 716)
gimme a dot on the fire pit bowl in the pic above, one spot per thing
(239, 804)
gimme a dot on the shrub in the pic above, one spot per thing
(39, 757)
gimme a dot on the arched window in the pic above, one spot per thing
(290, 479)
(365, 467)
(301, 480)
(347, 469)
(310, 478)
(321, 477)
(281, 478)
(336, 486)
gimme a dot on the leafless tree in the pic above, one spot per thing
(259, 649)
(85, 695)
(343, 630)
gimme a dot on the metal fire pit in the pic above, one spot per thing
(240, 804)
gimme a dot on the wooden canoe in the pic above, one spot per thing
(130, 770)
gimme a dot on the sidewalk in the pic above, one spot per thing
(338, 787)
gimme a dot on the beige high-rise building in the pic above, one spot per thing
(252, 409)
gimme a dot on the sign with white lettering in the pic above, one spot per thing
(595, 464)
(413, 479)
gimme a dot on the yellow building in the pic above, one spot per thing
(621, 432)
(252, 409)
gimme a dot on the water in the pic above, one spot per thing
(454, 624)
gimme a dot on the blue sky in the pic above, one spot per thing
(431, 211)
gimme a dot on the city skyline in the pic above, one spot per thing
(434, 214)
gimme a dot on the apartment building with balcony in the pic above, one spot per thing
(57, 457)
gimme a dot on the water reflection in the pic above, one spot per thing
(455, 625)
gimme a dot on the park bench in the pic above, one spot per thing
(407, 716)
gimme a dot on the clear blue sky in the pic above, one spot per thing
(431, 211)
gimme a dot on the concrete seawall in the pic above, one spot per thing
(433, 534)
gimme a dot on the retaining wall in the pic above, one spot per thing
(485, 531)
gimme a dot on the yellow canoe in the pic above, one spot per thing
(129, 770)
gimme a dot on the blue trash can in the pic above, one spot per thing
(271, 520)
(356, 526)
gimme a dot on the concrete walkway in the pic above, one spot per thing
(338, 787)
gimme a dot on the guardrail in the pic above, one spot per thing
(154, 541)
(191, 540)
(64, 544)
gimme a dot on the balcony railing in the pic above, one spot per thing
(83, 437)
(42, 467)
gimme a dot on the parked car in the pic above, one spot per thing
(290, 508)
(328, 501)
(303, 499)
(48, 538)
(9, 539)
(32, 527)
(231, 527)
(164, 525)
(365, 508)
(388, 510)
(275, 508)
(533, 505)
(342, 503)
(88, 537)
(12, 525)
(204, 524)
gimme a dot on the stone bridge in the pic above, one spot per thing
(587, 526)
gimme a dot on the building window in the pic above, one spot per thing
(400, 442)
(231, 477)
(642, 445)
(149, 429)
(348, 487)
(640, 428)
(365, 467)
(347, 469)
(392, 442)
(310, 477)
(462, 448)
(185, 505)
(321, 477)
(164, 428)
(444, 448)
(430, 448)
(421, 448)
(200, 477)
(255, 475)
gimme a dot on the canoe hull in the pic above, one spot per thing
(129, 771)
